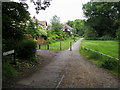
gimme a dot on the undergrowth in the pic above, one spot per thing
(111, 64)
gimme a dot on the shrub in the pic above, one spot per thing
(26, 49)
(107, 37)
(8, 71)
(8, 44)
(109, 64)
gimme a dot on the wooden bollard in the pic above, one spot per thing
(48, 47)
(39, 46)
(60, 46)
(70, 46)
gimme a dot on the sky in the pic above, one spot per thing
(65, 9)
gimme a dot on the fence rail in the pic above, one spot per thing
(60, 46)
(99, 52)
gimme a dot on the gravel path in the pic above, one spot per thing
(68, 69)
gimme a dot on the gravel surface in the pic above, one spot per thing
(67, 69)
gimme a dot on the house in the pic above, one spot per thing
(67, 28)
(40, 23)
(43, 24)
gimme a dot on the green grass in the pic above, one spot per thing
(106, 47)
(56, 46)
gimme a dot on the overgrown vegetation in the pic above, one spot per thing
(106, 47)
(15, 19)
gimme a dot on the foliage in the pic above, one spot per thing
(8, 71)
(107, 37)
(26, 49)
(56, 26)
(109, 64)
(97, 12)
(106, 47)
(14, 16)
(78, 26)
(35, 30)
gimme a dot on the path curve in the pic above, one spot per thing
(68, 69)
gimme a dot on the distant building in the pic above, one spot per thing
(40, 23)
(43, 24)
(67, 28)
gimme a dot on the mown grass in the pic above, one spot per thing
(56, 46)
(106, 47)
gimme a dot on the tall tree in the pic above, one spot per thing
(14, 18)
(101, 17)
(56, 25)
(78, 26)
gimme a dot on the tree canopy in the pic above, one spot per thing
(56, 25)
(14, 17)
(102, 18)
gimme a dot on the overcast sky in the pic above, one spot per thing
(65, 9)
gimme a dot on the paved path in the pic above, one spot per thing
(69, 69)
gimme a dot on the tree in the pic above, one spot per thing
(14, 18)
(78, 26)
(56, 25)
(101, 17)
(35, 30)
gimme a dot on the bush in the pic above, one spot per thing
(109, 64)
(8, 44)
(8, 71)
(26, 49)
(107, 37)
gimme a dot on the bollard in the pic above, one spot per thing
(48, 47)
(39, 46)
(14, 57)
(70, 46)
(60, 46)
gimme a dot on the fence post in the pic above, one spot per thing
(70, 46)
(48, 47)
(14, 57)
(74, 39)
(39, 46)
(60, 46)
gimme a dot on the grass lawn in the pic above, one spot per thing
(106, 47)
(56, 46)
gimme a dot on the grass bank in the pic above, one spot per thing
(106, 47)
(65, 44)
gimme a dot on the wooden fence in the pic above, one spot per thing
(60, 46)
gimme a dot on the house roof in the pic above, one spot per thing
(66, 26)
(43, 23)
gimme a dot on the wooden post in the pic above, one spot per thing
(39, 46)
(60, 46)
(74, 39)
(14, 57)
(48, 47)
(70, 46)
